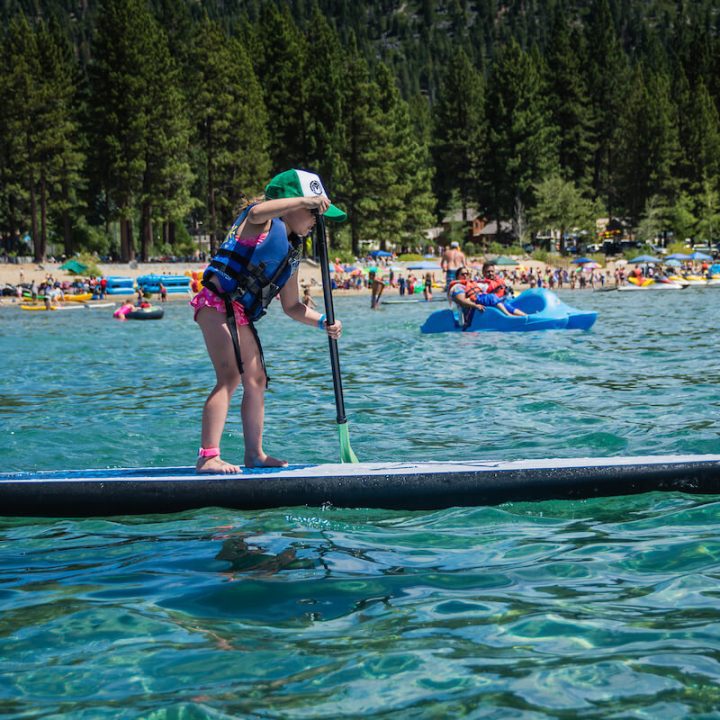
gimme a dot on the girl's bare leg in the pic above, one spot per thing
(220, 348)
(253, 403)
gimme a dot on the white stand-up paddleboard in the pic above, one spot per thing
(395, 485)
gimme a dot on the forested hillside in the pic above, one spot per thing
(129, 127)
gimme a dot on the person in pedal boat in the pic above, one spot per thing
(257, 261)
(470, 297)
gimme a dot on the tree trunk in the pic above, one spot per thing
(43, 214)
(212, 210)
(129, 239)
(124, 255)
(67, 229)
(146, 231)
(67, 234)
(37, 249)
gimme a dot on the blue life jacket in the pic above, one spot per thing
(254, 274)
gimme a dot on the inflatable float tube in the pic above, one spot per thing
(392, 486)
(118, 285)
(145, 314)
(172, 283)
(545, 311)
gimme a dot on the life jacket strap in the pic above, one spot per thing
(232, 326)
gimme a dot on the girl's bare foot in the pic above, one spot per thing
(210, 465)
(260, 461)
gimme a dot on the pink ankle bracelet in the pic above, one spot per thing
(208, 452)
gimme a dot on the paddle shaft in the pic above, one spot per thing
(330, 318)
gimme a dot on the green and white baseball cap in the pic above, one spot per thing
(301, 183)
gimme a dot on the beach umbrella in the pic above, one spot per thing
(380, 253)
(504, 260)
(673, 262)
(699, 256)
(643, 259)
(582, 260)
(424, 265)
(678, 256)
(591, 266)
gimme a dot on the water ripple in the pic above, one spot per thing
(605, 608)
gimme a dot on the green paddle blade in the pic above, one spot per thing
(346, 452)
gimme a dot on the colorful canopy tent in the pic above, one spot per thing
(644, 259)
(678, 256)
(582, 260)
(380, 253)
(699, 256)
(74, 267)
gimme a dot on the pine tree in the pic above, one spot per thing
(569, 104)
(459, 133)
(607, 80)
(649, 145)
(62, 157)
(406, 204)
(166, 187)
(18, 104)
(231, 127)
(522, 145)
(118, 118)
(280, 68)
(364, 172)
(323, 99)
(700, 137)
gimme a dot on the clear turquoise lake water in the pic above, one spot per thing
(597, 609)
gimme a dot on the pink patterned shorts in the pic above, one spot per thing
(207, 298)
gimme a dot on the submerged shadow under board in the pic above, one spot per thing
(396, 485)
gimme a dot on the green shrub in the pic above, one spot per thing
(91, 239)
(410, 257)
(90, 261)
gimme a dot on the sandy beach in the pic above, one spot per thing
(27, 272)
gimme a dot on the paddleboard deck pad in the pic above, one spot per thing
(397, 485)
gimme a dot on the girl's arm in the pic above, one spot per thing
(268, 209)
(294, 308)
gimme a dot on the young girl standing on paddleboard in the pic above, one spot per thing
(257, 261)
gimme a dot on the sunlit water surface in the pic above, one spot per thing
(599, 609)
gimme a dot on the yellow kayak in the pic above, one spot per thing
(78, 298)
(38, 307)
